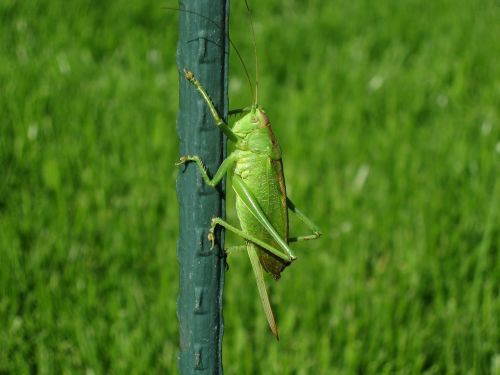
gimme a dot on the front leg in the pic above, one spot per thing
(218, 119)
(224, 167)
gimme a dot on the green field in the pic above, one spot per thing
(388, 114)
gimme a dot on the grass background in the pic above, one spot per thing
(388, 116)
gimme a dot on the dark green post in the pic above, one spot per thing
(202, 49)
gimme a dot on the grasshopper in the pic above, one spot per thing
(255, 169)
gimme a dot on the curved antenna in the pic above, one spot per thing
(255, 52)
(254, 95)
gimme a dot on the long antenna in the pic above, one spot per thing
(255, 52)
(254, 95)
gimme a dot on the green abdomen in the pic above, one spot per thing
(264, 178)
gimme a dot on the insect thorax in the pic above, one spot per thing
(256, 135)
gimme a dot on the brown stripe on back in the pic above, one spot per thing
(278, 166)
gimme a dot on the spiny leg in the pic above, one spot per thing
(218, 221)
(316, 232)
(218, 119)
(234, 249)
(224, 167)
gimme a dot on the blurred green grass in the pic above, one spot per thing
(388, 117)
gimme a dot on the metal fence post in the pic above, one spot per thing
(203, 49)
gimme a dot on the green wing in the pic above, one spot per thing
(253, 206)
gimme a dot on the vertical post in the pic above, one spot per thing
(202, 49)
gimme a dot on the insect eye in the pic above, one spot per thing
(254, 119)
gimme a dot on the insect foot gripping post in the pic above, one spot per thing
(256, 171)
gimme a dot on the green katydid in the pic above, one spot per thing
(256, 171)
